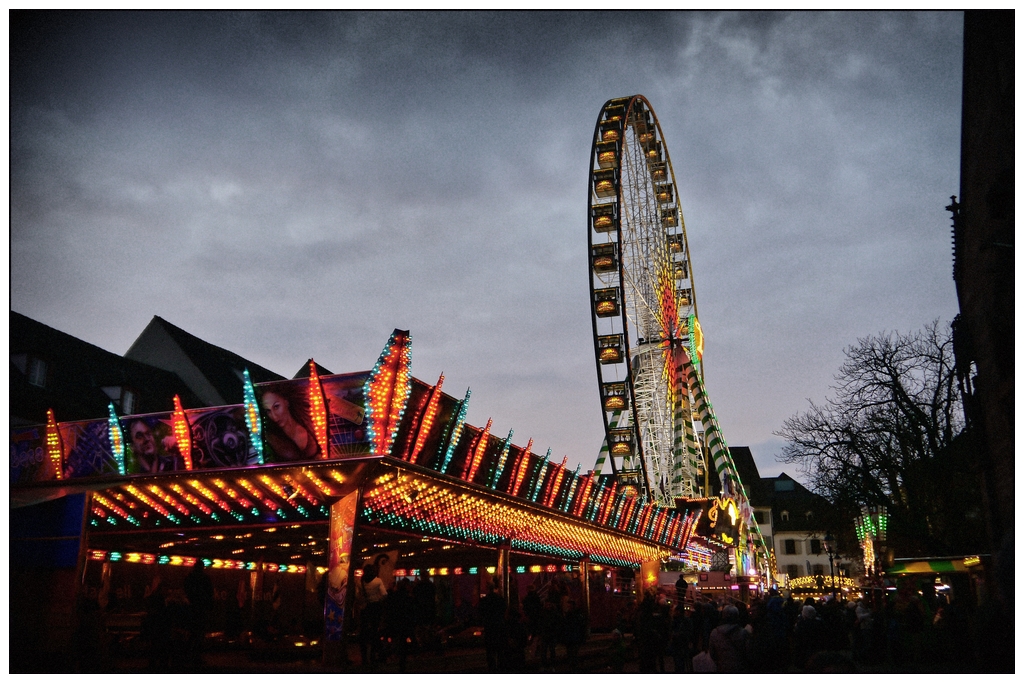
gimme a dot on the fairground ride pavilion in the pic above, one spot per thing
(388, 469)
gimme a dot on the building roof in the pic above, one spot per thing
(783, 493)
(81, 379)
(213, 373)
(747, 469)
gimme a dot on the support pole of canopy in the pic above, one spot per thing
(585, 586)
(502, 574)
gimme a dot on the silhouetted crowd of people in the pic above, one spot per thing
(904, 630)
(907, 628)
(404, 619)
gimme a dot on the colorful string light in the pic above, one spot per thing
(502, 457)
(542, 471)
(572, 489)
(318, 410)
(53, 445)
(182, 432)
(522, 465)
(556, 483)
(426, 421)
(252, 416)
(407, 502)
(116, 439)
(455, 433)
(387, 391)
(478, 451)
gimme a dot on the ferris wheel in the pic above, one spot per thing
(644, 307)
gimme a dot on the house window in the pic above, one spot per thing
(815, 546)
(793, 570)
(123, 397)
(36, 372)
(127, 401)
(819, 570)
(759, 516)
(784, 515)
(790, 546)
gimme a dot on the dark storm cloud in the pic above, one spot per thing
(291, 185)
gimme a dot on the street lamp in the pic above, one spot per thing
(830, 549)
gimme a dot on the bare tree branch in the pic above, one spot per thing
(895, 406)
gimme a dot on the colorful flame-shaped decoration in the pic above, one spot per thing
(318, 410)
(572, 489)
(53, 445)
(387, 392)
(426, 422)
(252, 416)
(116, 438)
(182, 432)
(478, 452)
(608, 504)
(556, 483)
(522, 466)
(456, 432)
(499, 468)
(622, 521)
(591, 507)
(542, 472)
(581, 499)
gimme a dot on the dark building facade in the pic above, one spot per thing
(51, 369)
(983, 264)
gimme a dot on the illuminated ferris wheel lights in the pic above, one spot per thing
(639, 262)
(616, 396)
(664, 193)
(611, 348)
(606, 183)
(608, 154)
(654, 151)
(611, 130)
(606, 302)
(605, 218)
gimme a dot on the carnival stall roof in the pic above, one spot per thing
(204, 478)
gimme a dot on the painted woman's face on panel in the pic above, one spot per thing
(277, 408)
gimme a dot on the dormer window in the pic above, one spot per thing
(35, 369)
(784, 515)
(36, 372)
(782, 485)
(809, 515)
(123, 397)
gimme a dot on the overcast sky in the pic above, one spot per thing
(296, 186)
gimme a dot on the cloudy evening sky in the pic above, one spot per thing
(298, 185)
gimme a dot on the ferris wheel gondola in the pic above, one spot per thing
(644, 306)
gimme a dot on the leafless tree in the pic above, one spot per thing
(886, 435)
